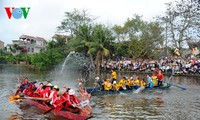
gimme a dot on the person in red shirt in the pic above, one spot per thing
(72, 101)
(59, 102)
(53, 95)
(46, 92)
(160, 78)
(39, 90)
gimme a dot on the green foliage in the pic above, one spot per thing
(142, 38)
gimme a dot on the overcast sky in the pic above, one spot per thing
(45, 15)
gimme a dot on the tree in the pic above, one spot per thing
(182, 19)
(138, 37)
(73, 20)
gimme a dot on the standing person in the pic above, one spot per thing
(154, 78)
(113, 76)
(160, 78)
(149, 82)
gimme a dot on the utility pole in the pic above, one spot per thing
(166, 47)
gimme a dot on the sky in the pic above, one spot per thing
(45, 15)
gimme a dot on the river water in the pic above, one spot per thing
(171, 104)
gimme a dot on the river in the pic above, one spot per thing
(171, 104)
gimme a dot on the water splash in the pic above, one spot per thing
(68, 56)
(77, 61)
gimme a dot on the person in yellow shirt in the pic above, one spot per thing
(115, 86)
(142, 83)
(113, 76)
(129, 83)
(137, 83)
(107, 85)
(154, 79)
(122, 83)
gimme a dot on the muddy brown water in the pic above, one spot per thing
(171, 104)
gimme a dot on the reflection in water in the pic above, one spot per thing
(15, 116)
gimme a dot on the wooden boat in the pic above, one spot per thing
(67, 114)
(98, 91)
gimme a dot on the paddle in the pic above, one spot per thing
(176, 85)
(179, 87)
(54, 107)
(17, 98)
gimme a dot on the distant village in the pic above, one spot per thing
(34, 44)
(28, 44)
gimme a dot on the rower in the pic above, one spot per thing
(46, 92)
(115, 86)
(39, 90)
(113, 76)
(107, 85)
(137, 83)
(73, 102)
(122, 83)
(98, 83)
(129, 83)
(142, 83)
(53, 94)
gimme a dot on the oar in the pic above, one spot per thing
(179, 87)
(54, 107)
(17, 98)
(170, 78)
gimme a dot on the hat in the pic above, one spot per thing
(131, 78)
(49, 84)
(114, 82)
(97, 78)
(71, 92)
(55, 87)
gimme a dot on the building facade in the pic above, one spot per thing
(1, 44)
(27, 44)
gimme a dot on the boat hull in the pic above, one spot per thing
(66, 114)
(97, 91)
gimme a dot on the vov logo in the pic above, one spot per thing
(17, 13)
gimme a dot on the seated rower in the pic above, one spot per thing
(137, 83)
(142, 83)
(60, 100)
(122, 84)
(73, 102)
(46, 92)
(129, 83)
(39, 90)
(107, 85)
(115, 86)
(24, 84)
(53, 94)
(99, 83)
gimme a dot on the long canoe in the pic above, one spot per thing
(98, 91)
(66, 114)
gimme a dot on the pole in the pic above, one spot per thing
(166, 49)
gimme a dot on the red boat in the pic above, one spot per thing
(83, 115)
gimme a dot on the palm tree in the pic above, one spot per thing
(101, 39)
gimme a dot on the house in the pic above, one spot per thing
(57, 36)
(1, 44)
(33, 44)
(27, 44)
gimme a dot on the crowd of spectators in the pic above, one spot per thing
(171, 65)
